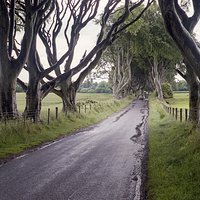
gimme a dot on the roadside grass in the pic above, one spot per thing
(180, 100)
(174, 157)
(16, 136)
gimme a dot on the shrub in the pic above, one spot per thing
(167, 90)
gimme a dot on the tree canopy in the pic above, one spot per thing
(144, 55)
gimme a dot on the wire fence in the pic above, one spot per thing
(51, 114)
(180, 114)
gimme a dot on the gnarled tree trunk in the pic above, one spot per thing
(194, 92)
(68, 97)
(33, 93)
(33, 99)
(194, 95)
(9, 66)
(194, 102)
(156, 78)
(8, 106)
(121, 73)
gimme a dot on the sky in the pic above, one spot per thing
(87, 41)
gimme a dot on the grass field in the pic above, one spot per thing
(174, 156)
(52, 100)
(18, 135)
(180, 100)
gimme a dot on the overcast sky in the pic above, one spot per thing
(87, 41)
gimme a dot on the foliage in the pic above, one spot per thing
(167, 90)
(90, 87)
(181, 85)
(19, 88)
(148, 39)
(173, 166)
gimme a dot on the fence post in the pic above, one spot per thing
(56, 112)
(176, 113)
(186, 114)
(48, 120)
(24, 119)
(90, 106)
(181, 114)
(85, 108)
(173, 112)
(66, 112)
(5, 120)
(79, 108)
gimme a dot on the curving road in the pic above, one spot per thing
(103, 162)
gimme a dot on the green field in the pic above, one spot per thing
(180, 100)
(174, 155)
(52, 100)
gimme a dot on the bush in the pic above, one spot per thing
(167, 90)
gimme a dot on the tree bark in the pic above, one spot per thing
(157, 78)
(121, 72)
(8, 72)
(194, 96)
(8, 106)
(194, 102)
(68, 97)
(33, 99)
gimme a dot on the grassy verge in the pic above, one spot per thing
(18, 136)
(174, 158)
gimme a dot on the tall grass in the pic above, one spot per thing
(174, 157)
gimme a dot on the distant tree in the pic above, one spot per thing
(144, 56)
(94, 87)
(103, 87)
(156, 49)
(19, 88)
(181, 85)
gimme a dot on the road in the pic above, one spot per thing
(102, 162)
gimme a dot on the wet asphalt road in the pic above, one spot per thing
(102, 162)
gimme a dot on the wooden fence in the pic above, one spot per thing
(181, 114)
(50, 115)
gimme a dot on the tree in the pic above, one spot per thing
(193, 84)
(180, 26)
(10, 67)
(79, 15)
(119, 57)
(103, 87)
(181, 85)
(150, 55)
(156, 47)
